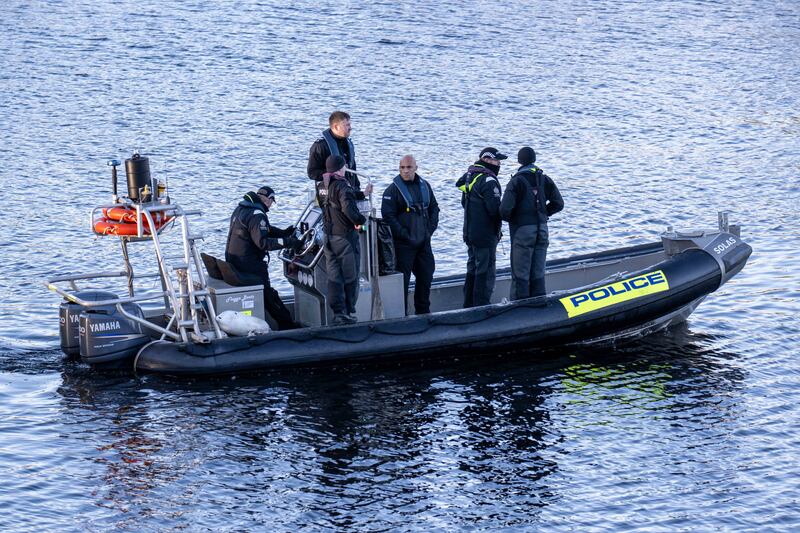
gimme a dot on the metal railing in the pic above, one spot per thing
(187, 299)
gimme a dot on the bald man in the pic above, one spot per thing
(410, 209)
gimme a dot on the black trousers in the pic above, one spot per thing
(342, 262)
(273, 305)
(528, 257)
(420, 262)
(479, 283)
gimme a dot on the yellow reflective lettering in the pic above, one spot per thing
(614, 293)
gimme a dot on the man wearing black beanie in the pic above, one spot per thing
(341, 220)
(530, 198)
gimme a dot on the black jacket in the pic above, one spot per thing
(251, 236)
(319, 152)
(481, 200)
(412, 225)
(340, 214)
(530, 198)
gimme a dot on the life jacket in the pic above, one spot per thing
(425, 192)
(333, 146)
(467, 187)
(326, 202)
(238, 221)
(240, 250)
(481, 227)
(537, 185)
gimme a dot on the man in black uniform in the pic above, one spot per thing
(341, 220)
(482, 225)
(250, 238)
(336, 141)
(530, 198)
(410, 209)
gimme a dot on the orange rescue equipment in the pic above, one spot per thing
(126, 214)
(122, 221)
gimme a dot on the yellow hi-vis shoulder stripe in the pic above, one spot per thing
(468, 186)
(614, 293)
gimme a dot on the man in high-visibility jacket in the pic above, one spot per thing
(482, 225)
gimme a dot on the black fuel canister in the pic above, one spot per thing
(137, 170)
(69, 313)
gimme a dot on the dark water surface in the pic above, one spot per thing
(645, 113)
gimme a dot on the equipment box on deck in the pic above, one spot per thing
(248, 300)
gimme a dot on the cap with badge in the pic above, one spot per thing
(494, 153)
(266, 193)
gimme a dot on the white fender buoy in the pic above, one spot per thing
(241, 325)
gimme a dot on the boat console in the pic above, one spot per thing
(305, 268)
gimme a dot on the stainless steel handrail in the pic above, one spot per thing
(93, 275)
(188, 305)
(89, 275)
(99, 303)
(148, 324)
(170, 293)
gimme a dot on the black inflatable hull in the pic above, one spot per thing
(639, 303)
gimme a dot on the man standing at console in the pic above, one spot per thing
(341, 220)
(336, 141)
(410, 209)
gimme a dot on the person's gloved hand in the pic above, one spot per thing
(293, 243)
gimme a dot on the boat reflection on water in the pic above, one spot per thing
(662, 376)
(341, 446)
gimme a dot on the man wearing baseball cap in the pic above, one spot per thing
(480, 197)
(250, 238)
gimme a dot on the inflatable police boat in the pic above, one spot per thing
(597, 297)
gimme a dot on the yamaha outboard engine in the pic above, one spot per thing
(69, 314)
(108, 339)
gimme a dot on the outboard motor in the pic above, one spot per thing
(69, 315)
(137, 169)
(108, 339)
